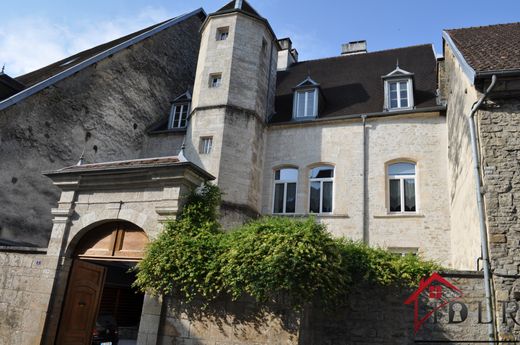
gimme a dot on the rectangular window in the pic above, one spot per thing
(206, 144)
(321, 189)
(215, 80)
(305, 103)
(398, 94)
(401, 187)
(285, 190)
(222, 33)
(178, 116)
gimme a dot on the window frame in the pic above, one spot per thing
(306, 92)
(401, 178)
(213, 76)
(172, 118)
(285, 183)
(224, 30)
(202, 146)
(321, 180)
(409, 91)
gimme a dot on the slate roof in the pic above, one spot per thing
(352, 84)
(43, 73)
(489, 48)
(246, 8)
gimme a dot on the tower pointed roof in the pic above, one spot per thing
(238, 5)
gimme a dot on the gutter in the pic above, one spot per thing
(366, 238)
(433, 109)
(96, 58)
(481, 214)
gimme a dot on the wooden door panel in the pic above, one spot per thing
(81, 303)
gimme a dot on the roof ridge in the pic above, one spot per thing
(368, 53)
(482, 26)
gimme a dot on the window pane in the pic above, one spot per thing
(322, 172)
(393, 87)
(290, 203)
(393, 103)
(327, 197)
(278, 198)
(403, 86)
(395, 196)
(310, 103)
(300, 104)
(404, 102)
(287, 174)
(409, 195)
(401, 169)
(315, 197)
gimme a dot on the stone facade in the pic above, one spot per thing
(420, 138)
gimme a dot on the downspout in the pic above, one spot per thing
(365, 182)
(481, 215)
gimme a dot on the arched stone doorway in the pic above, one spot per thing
(100, 305)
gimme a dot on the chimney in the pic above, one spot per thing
(287, 55)
(353, 48)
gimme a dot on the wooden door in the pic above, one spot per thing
(81, 304)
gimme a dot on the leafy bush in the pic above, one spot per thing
(268, 259)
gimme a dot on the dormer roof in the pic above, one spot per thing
(398, 72)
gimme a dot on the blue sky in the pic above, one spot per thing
(34, 33)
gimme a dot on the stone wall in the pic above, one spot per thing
(420, 138)
(499, 136)
(26, 283)
(112, 103)
(370, 316)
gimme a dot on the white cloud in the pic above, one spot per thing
(32, 42)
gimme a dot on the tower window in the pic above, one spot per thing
(222, 33)
(215, 80)
(205, 146)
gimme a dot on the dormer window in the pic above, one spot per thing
(398, 90)
(179, 112)
(306, 99)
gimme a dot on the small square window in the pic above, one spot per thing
(215, 80)
(205, 146)
(222, 33)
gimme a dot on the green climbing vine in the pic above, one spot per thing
(269, 258)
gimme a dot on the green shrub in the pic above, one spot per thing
(268, 259)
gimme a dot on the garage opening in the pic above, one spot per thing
(101, 307)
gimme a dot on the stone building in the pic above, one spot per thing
(99, 148)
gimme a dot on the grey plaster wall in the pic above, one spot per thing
(112, 103)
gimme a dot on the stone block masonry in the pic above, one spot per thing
(370, 316)
(26, 282)
(499, 124)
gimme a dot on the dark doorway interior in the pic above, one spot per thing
(120, 307)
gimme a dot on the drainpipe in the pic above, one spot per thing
(365, 182)
(481, 214)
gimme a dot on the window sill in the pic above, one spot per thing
(400, 215)
(317, 215)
